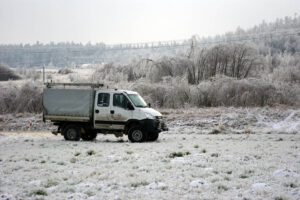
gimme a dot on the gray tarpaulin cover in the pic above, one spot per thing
(68, 102)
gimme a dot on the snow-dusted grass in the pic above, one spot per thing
(232, 120)
(209, 153)
(248, 166)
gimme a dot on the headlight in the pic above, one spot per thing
(149, 116)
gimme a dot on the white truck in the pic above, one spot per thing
(83, 113)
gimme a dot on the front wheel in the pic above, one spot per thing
(135, 134)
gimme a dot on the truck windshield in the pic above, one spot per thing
(137, 100)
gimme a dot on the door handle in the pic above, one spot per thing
(96, 111)
(112, 112)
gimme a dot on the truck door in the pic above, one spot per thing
(102, 115)
(120, 112)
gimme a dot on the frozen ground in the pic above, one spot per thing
(280, 119)
(211, 153)
(252, 166)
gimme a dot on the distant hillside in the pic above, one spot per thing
(278, 37)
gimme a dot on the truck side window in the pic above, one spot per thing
(103, 99)
(120, 100)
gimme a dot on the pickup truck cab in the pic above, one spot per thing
(85, 113)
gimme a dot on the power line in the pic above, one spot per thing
(170, 43)
(173, 44)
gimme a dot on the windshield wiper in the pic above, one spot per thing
(140, 106)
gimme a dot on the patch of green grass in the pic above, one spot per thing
(61, 163)
(196, 146)
(50, 183)
(203, 150)
(40, 192)
(222, 187)
(229, 172)
(90, 193)
(129, 152)
(77, 154)
(214, 180)
(178, 154)
(142, 183)
(91, 152)
(43, 161)
(257, 157)
(215, 155)
(279, 198)
(215, 131)
(39, 198)
(243, 176)
(291, 185)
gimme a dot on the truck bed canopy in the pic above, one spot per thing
(68, 102)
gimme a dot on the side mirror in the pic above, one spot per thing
(130, 106)
(149, 105)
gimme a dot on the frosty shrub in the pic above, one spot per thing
(219, 91)
(7, 74)
(64, 71)
(28, 73)
(285, 68)
(26, 98)
(110, 72)
(226, 91)
(290, 74)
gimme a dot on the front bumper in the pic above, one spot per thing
(163, 126)
(154, 125)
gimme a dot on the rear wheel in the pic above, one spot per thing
(153, 136)
(72, 132)
(135, 134)
(89, 136)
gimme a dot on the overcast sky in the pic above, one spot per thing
(125, 21)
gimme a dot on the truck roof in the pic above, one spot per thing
(94, 86)
(118, 90)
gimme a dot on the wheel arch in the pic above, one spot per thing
(130, 123)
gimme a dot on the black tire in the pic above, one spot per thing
(72, 132)
(136, 134)
(153, 137)
(89, 136)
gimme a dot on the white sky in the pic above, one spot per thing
(124, 21)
